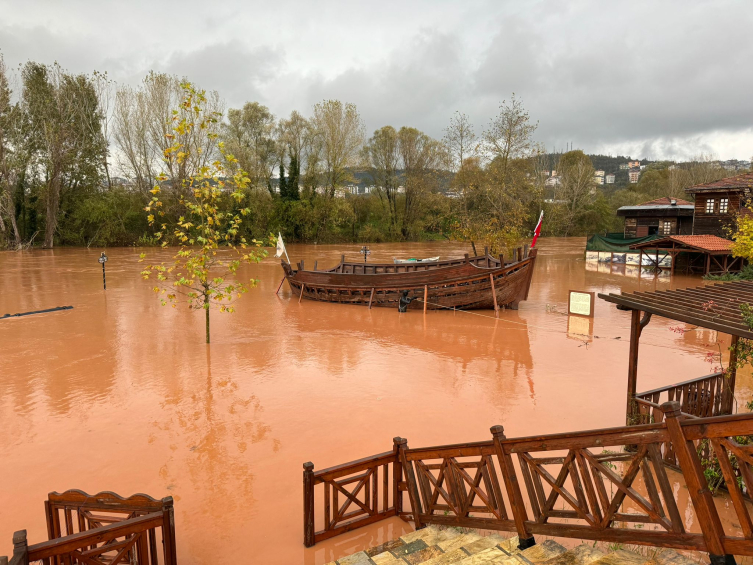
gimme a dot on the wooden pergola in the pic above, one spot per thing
(713, 306)
(715, 252)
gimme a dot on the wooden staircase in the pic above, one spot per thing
(450, 546)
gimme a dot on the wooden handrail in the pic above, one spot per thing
(92, 525)
(684, 383)
(523, 484)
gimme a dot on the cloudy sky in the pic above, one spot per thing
(656, 79)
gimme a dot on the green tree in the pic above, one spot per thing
(211, 248)
(283, 183)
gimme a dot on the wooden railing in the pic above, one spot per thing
(608, 485)
(104, 528)
(702, 397)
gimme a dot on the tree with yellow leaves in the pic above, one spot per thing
(203, 270)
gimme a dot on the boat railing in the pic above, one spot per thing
(606, 485)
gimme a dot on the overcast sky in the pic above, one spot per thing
(649, 79)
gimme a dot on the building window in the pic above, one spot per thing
(666, 228)
(723, 205)
(709, 205)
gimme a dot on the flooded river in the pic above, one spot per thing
(122, 394)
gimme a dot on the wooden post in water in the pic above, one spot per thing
(303, 287)
(426, 296)
(636, 328)
(308, 504)
(494, 295)
(371, 298)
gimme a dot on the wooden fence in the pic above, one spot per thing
(702, 397)
(104, 528)
(608, 485)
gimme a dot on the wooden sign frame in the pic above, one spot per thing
(591, 308)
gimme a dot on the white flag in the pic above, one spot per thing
(280, 246)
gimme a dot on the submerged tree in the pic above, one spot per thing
(211, 248)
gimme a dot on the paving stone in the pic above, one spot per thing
(459, 541)
(621, 557)
(448, 558)
(431, 535)
(584, 554)
(409, 548)
(671, 557)
(423, 555)
(387, 558)
(481, 544)
(510, 545)
(381, 548)
(487, 556)
(359, 558)
(541, 552)
(419, 534)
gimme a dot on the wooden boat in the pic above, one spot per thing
(427, 260)
(464, 283)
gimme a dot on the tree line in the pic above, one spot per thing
(80, 154)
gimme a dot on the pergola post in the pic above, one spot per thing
(636, 328)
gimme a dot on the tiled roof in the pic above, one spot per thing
(740, 181)
(666, 201)
(706, 242)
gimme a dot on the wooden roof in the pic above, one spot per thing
(666, 201)
(713, 306)
(738, 182)
(704, 243)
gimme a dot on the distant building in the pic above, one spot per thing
(609, 179)
(633, 164)
(553, 181)
(624, 166)
(663, 216)
(634, 175)
(599, 173)
(718, 203)
(599, 179)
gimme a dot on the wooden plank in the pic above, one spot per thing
(426, 297)
(371, 298)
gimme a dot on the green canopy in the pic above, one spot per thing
(616, 242)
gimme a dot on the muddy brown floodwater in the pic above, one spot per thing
(122, 394)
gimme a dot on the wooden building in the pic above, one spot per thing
(718, 203)
(663, 216)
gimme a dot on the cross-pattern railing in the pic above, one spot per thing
(610, 485)
(104, 529)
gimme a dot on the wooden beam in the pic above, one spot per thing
(371, 298)
(426, 296)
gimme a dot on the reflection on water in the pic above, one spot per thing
(121, 394)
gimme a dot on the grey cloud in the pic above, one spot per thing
(671, 78)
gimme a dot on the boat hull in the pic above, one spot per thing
(465, 286)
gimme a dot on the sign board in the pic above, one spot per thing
(581, 303)
(102, 259)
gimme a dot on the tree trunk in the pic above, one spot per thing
(475, 253)
(53, 203)
(206, 311)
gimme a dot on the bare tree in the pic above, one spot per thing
(509, 136)
(250, 135)
(382, 156)
(341, 132)
(462, 144)
(143, 119)
(421, 158)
